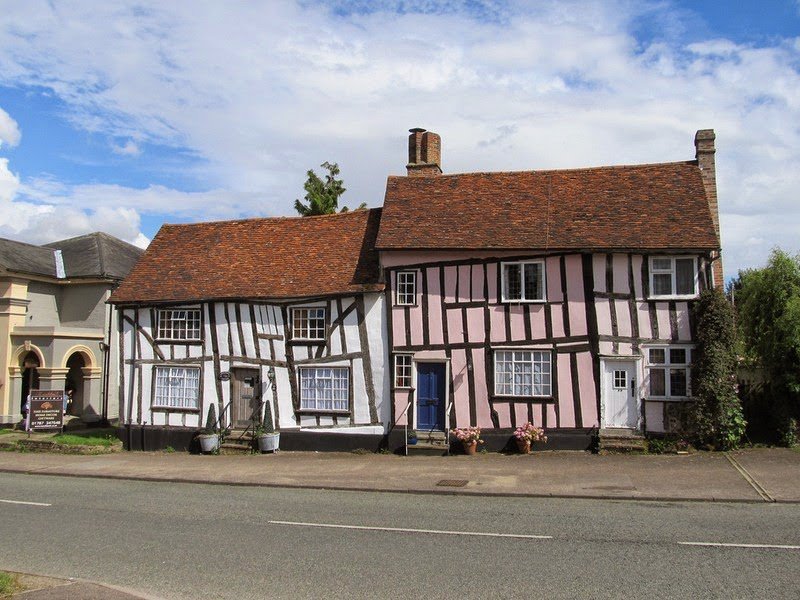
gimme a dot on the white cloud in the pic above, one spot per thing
(263, 91)
(9, 130)
(129, 148)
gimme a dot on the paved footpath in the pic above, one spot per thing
(754, 475)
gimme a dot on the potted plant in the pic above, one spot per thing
(526, 435)
(268, 439)
(209, 439)
(412, 437)
(470, 437)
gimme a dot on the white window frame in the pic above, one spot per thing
(546, 389)
(312, 378)
(168, 318)
(667, 366)
(182, 391)
(403, 371)
(305, 333)
(673, 272)
(521, 264)
(406, 288)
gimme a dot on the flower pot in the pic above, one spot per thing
(412, 441)
(209, 442)
(470, 447)
(268, 442)
(524, 446)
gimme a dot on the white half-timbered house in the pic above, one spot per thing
(240, 313)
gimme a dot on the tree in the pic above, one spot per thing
(322, 196)
(768, 306)
(717, 409)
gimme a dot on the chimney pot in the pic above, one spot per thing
(705, 154)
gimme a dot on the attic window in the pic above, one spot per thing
(179, 324)
(523, 281)
(308, 324)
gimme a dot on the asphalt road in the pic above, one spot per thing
(204, 541)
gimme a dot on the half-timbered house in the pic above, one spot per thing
(240, 313)
(557, 297)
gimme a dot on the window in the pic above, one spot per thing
(523, 281)
(669, 372)
(406, 288)
(179, 324)
(324, 388)
(177, 387)
(308, 323)
(620, 380)
(402, 370)
(672, 276)
(522, 373)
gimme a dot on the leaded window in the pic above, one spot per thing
(406, 288)
(308, 323)
(523, 281)
(179, 324)
(524, 373)
(673, 276)
(402, 371)
(669, 372)
(324, 388)
(177, 387)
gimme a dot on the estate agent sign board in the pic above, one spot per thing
(46, 409)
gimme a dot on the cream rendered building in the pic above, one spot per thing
(56, 330)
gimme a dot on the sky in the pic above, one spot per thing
(119, 116)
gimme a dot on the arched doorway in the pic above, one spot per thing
(73, 384)
(30, 379)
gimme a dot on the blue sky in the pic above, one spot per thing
(121, 116)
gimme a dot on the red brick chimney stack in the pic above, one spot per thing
(704, 153)
(424, 153)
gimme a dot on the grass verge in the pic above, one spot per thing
(95, 437)
(9, 584)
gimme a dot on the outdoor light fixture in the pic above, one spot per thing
(271, 376)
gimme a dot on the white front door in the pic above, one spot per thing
(620, 404)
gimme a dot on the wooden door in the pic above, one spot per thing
(430, 396)
(245, 397)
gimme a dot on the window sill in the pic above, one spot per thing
(304, 342)
(174, 409)
(669, 399)
(504, 301)
(315, 412)
(681, 297)
(178, 342)
(525, 399)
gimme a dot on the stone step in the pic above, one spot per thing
(234, 447)
(436, 448)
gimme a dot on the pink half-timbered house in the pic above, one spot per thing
(558, 297)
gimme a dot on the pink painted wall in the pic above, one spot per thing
(460, 384)
(417, 322)
(475, 327)
(464, 283)
(619, 264)
(398, 326)
(482, 410)
(435, 327)
(517, 318)
(455, 326)
(478, 273)
(538, 328)
(575, 296)
(588, 393)
(552, 269)
(565, 400)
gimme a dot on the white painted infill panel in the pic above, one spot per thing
(360, 398)
(145, 325)
(352, 340)
(233, 329)
(247, 331)
(207, 347)
(222, 329)
(336, 337)
(127, 335)
(307, 421)
(285, 407)
(195, 351)
(378, 344)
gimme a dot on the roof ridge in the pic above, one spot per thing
(297, 218)
(549, 171)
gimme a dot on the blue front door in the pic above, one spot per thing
(430, 395)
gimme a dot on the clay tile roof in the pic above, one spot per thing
(659, 206)
(274, 258)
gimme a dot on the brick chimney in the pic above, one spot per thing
(704, 153)
(424, 153)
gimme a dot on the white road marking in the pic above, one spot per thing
(26, 503)
(403, 530)
(721, 545)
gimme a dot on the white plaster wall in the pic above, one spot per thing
(378, 339)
